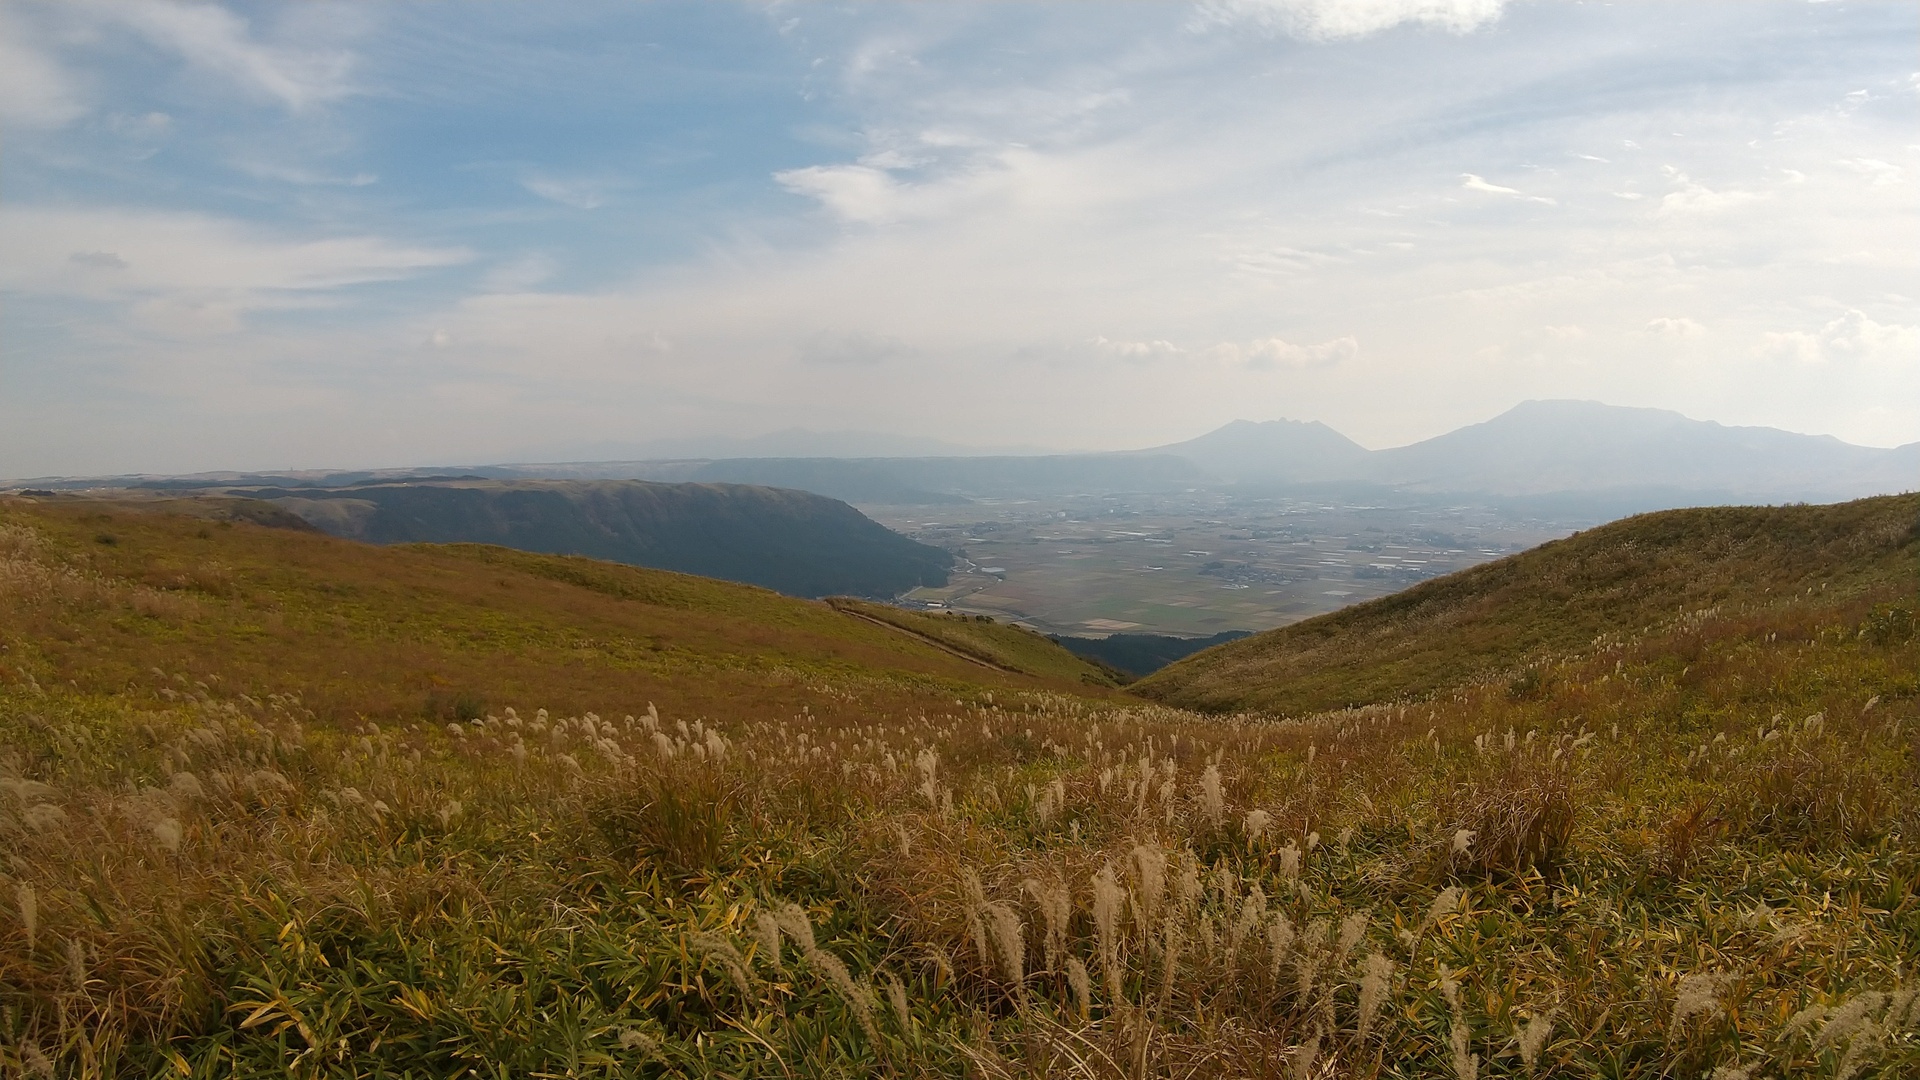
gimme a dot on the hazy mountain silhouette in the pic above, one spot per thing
(1287, 450)
(792, 541)
(1619, 460)
(1552, 447)
(793, 442)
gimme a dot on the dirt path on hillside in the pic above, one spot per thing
(941, 645)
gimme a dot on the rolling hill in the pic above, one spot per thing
(794, 542)
(274, 802)
(416, 629)
(1639, 573)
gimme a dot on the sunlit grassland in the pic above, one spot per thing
(1684, 847)
(360, 630)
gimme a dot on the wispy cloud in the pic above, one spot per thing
(1113, 225)
(1334, 20)
(220, 42)
(579, 194)
(107, 254)
(35, 91)
(1473, 182)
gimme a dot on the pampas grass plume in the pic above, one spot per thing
(29, 903)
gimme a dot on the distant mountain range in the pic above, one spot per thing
(790, 443)
(1624, 459)
(1600, 456)
(1549, 447)
(793, 542)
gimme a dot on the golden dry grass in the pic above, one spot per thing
(1683, 850)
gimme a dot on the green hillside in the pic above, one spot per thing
(274, 804)
(359, 630)
(790, 541)
(1642, 573)
(999, 645)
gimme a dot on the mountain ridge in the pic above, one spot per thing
(794, 542)
(1637, 457)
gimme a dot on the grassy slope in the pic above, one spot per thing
(1624, 577)
(1690, 848)
(403, 632)
(1012, 648)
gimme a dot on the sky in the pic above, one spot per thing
(332, 235)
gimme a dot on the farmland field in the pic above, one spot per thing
(1200, 562)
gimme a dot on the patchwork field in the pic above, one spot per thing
(1197, 563)
(278, 804)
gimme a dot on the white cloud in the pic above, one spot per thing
(189, 269)
(1139, 351)
(1333, 20)
(35, 91)
(1693, 199)
(1852, 336)
(216, 40)
(293, 174)
(1267, 354)
(1477, 183)
(854, 192)
(1679, 328)
(1875, 170)
(987, 203)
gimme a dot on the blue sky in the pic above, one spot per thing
(329, 234)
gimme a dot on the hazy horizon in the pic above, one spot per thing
(248, 237)
(798, 443)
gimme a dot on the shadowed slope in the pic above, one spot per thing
(792, 541)
(1617, 579)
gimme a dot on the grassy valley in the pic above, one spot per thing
(1637, 804)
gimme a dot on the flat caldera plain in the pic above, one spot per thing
(1204, 561)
